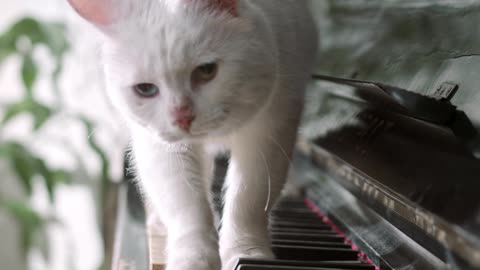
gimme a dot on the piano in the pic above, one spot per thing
(388, 155)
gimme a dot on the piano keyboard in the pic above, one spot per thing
(301, 240)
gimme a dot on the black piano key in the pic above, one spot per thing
(293, 209)
(302, 241)
(313, 253)
(300, 225)
(295, 230)
(307, 220)
(347, 265)
(276, 267)
(307, 237)
(290, 204)
(304, 210)
(295, 214)
(310, 244)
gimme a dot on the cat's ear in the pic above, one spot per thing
(101, 13)
(225, 5)
(229, 6)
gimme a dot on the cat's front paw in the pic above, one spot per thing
(189, 262)
(231, 255)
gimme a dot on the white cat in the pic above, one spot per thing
(194, 77)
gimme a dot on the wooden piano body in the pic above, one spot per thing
(388, 155)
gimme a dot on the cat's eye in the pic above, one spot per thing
(146, 90)
(204, 73)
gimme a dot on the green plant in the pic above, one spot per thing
(20, 41)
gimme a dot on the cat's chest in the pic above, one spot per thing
(215, 147)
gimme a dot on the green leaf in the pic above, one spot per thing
(50, 34)
(24, 168)
(95, 147)
(29, 73)
(7, 45)
(26, 165)
(39, 112)
(21, 162)
(26, 27)
(13, 110)
(31, 223)
(47, 177)
(56, 39)
(52, 178)
(62, 177)
(5, 51)
(105, 178)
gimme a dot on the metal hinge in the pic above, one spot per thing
(446, 91)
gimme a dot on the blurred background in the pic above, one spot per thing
(60, 149)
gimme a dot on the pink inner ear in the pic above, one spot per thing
(227, 5)
(98, 12)
(224, 5)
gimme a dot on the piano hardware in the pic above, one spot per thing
(435, 109)
(401, 160)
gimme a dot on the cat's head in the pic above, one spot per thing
(184, 69)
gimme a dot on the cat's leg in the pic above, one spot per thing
(208, 165)
(171, 178)
(292, 188)
(256, 175)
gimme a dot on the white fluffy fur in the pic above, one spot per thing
(252, 108)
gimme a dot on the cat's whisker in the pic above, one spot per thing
(204, 128)
(214, 114)
(289, 159)
(267, 204)
(209, 122)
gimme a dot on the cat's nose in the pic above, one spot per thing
(183, 116)
(184, 122)
(183, 109)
